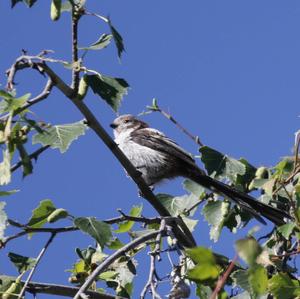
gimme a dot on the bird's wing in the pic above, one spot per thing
(156, 140)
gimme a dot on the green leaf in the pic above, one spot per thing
(11, 104)
(60, 136)
(284, 167)
(240, 279)
(286, 230)
(245, 179)
(6, 193)
(215, 213)
(203, 291)
(5, 173)
(248, 249)
(283, 287)
(258, 280)
(205, 268)
(23, 263)
(115, 244)
(108, 275)
(98, 230)
(219, 164)
(41, 213)
(3, 219)
(57, 215)
(28, 2)
(101, 43)
(117, 38)
(27, 166)
(109, 89)
(194, 188)
(179, 204)
(55, 10)
(213, 160)
(127, 225)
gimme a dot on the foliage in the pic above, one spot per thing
(266, 268)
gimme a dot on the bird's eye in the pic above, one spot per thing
(126, 121)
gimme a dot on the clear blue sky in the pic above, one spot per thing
(229, 71)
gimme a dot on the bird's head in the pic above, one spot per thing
(127, 123)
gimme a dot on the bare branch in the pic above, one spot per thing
(152, 281)
(107, 262)
(222, 280)
(62, 290)
(38, 259)
(156, 108)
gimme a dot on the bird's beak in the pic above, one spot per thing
(113, 125)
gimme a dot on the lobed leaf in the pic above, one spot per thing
(215, 213)
(60, 136)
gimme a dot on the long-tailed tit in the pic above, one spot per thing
(158, 157)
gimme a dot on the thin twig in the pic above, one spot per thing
(222, 280)
(151, 283)
(107, 262)
(174, 121)
(32, 156)
(38, 259)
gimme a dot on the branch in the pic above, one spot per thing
(112, 258)
(156, 108)
(152, 283)
(32, 156)
(222, 280)
(36, 264)
(75, 63)
(60, 290)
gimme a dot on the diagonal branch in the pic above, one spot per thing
(94, 124)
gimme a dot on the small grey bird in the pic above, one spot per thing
(158, 157)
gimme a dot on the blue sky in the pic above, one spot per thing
(227, 70)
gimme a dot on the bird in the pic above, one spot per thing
(159, 158)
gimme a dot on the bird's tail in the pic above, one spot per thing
(245, 201)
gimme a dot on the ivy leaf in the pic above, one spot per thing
(117, 38)
(3, 219)
(205, 268)
(5, 173)
(109, 89)
(215, 213)
(100, 44)
(98, 230)
(283, 287)
(41, 213)
(248, 249)
(60, 136)
(127, 225)
(23, 263)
